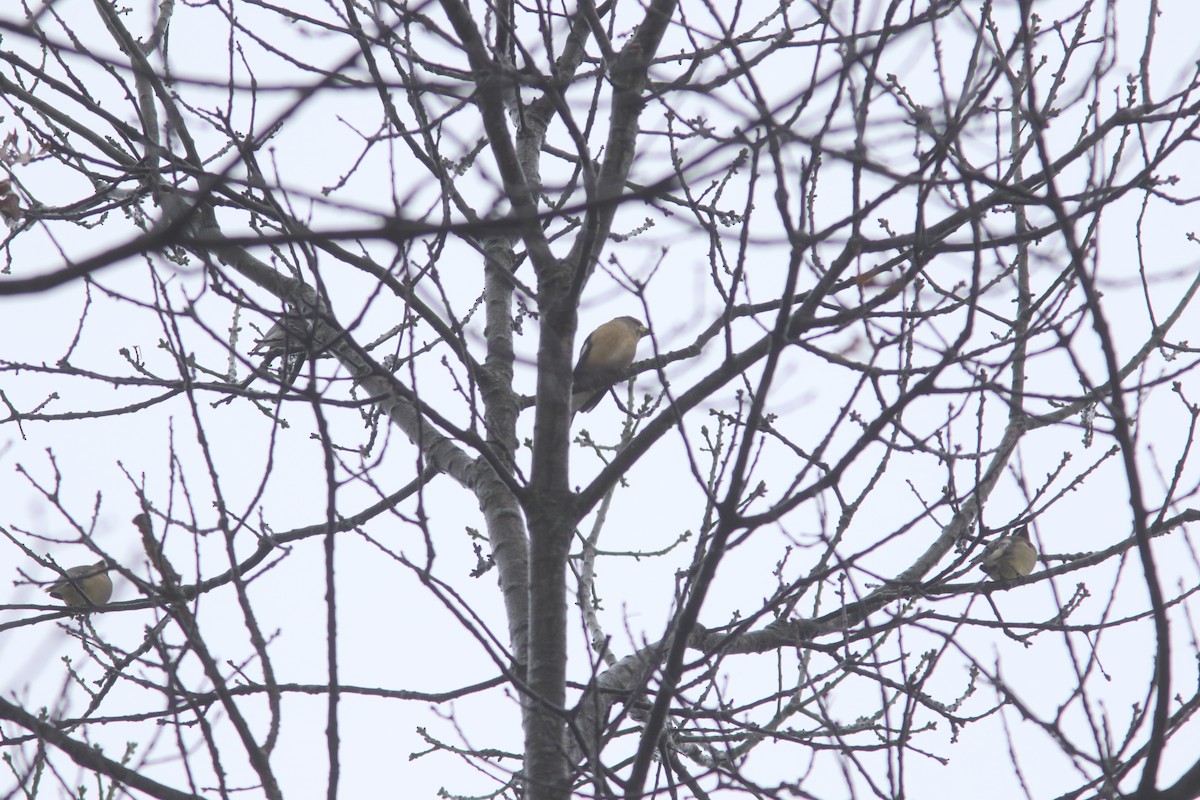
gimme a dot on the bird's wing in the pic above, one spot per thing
(587, 400)
(994, 551)
(584, 353)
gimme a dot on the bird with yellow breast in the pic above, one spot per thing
(1010, 557)
(606, 354)
(84, 587)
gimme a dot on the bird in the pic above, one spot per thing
(1010, 557)
(291, 341)
(606, 353)
(86, 586)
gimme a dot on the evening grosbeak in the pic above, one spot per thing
(84, 584)
(606, 354)
(1009, 558)
(289, 340)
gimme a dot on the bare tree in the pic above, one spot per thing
(914, 275)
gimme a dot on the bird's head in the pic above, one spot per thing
(636, 326)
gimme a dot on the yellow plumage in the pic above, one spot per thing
(606, 354)
(1009, 558)
(92, 580)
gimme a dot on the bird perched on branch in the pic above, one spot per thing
(607, 352)
(291, 341)
(1010, 557)
(86, 586)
